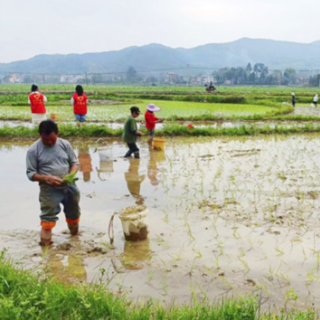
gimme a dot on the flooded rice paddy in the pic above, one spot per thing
(226, 217)
(196, 124)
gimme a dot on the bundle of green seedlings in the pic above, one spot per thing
(70, 178)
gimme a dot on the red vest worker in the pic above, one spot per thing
(36, 100)
(79, 102)
(151, 119)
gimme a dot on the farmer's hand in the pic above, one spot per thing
(54, 180)
(139, 133)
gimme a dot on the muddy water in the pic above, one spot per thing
(196, 124)
(307, 110)
(226, 216)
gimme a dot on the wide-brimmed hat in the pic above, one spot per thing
(152, 107)
(292, 93)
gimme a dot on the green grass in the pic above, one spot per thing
(67, 130)
(162, 88)
(177, 103)
(170, 110)
(26, 296)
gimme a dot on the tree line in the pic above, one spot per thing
(257, 74)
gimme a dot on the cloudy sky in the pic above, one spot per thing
(28, 28)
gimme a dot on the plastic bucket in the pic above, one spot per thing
(105, 153)
(54, 116)
(135, 223)
(158, 143)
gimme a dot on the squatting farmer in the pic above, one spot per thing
(49, 159)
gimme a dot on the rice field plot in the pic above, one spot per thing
(169, 110)
(100, 87)
(227, 216)
(146, 87)
(269, 89)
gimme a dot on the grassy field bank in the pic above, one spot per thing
(26, 296)
(66, 130)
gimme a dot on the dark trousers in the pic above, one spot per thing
(132, 149)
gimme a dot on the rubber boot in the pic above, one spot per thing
(137, 155)
(74, 228)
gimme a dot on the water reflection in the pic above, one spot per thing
(155, 158)
(136, 254)
(66, 268)
(105, 169)
(134, 180)
(85, 162)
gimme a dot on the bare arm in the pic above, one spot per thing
(54, 180)
(74, 168)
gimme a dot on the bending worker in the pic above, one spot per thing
(79, 102)
(36, 101)
(48, 160)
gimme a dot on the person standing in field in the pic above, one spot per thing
(131, 133)
(49, 159)
(151, 119)
(315, 99)
(36, 101)
(293, 99)
(79, 102)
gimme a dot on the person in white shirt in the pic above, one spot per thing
(315, 100)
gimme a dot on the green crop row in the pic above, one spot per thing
(170, 110)
(67, 130)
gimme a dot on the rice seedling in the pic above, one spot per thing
(189, 231)
(70, 178)
(280, 252)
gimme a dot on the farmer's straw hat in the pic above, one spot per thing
(292, 93)
(152, 107)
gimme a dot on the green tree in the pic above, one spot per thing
(277, 77)
(314, 81)
(252, 78)
(248, 68)
(290, 76)
(131, 74)
(259, 69)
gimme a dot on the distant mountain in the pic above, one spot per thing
(274, 54)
